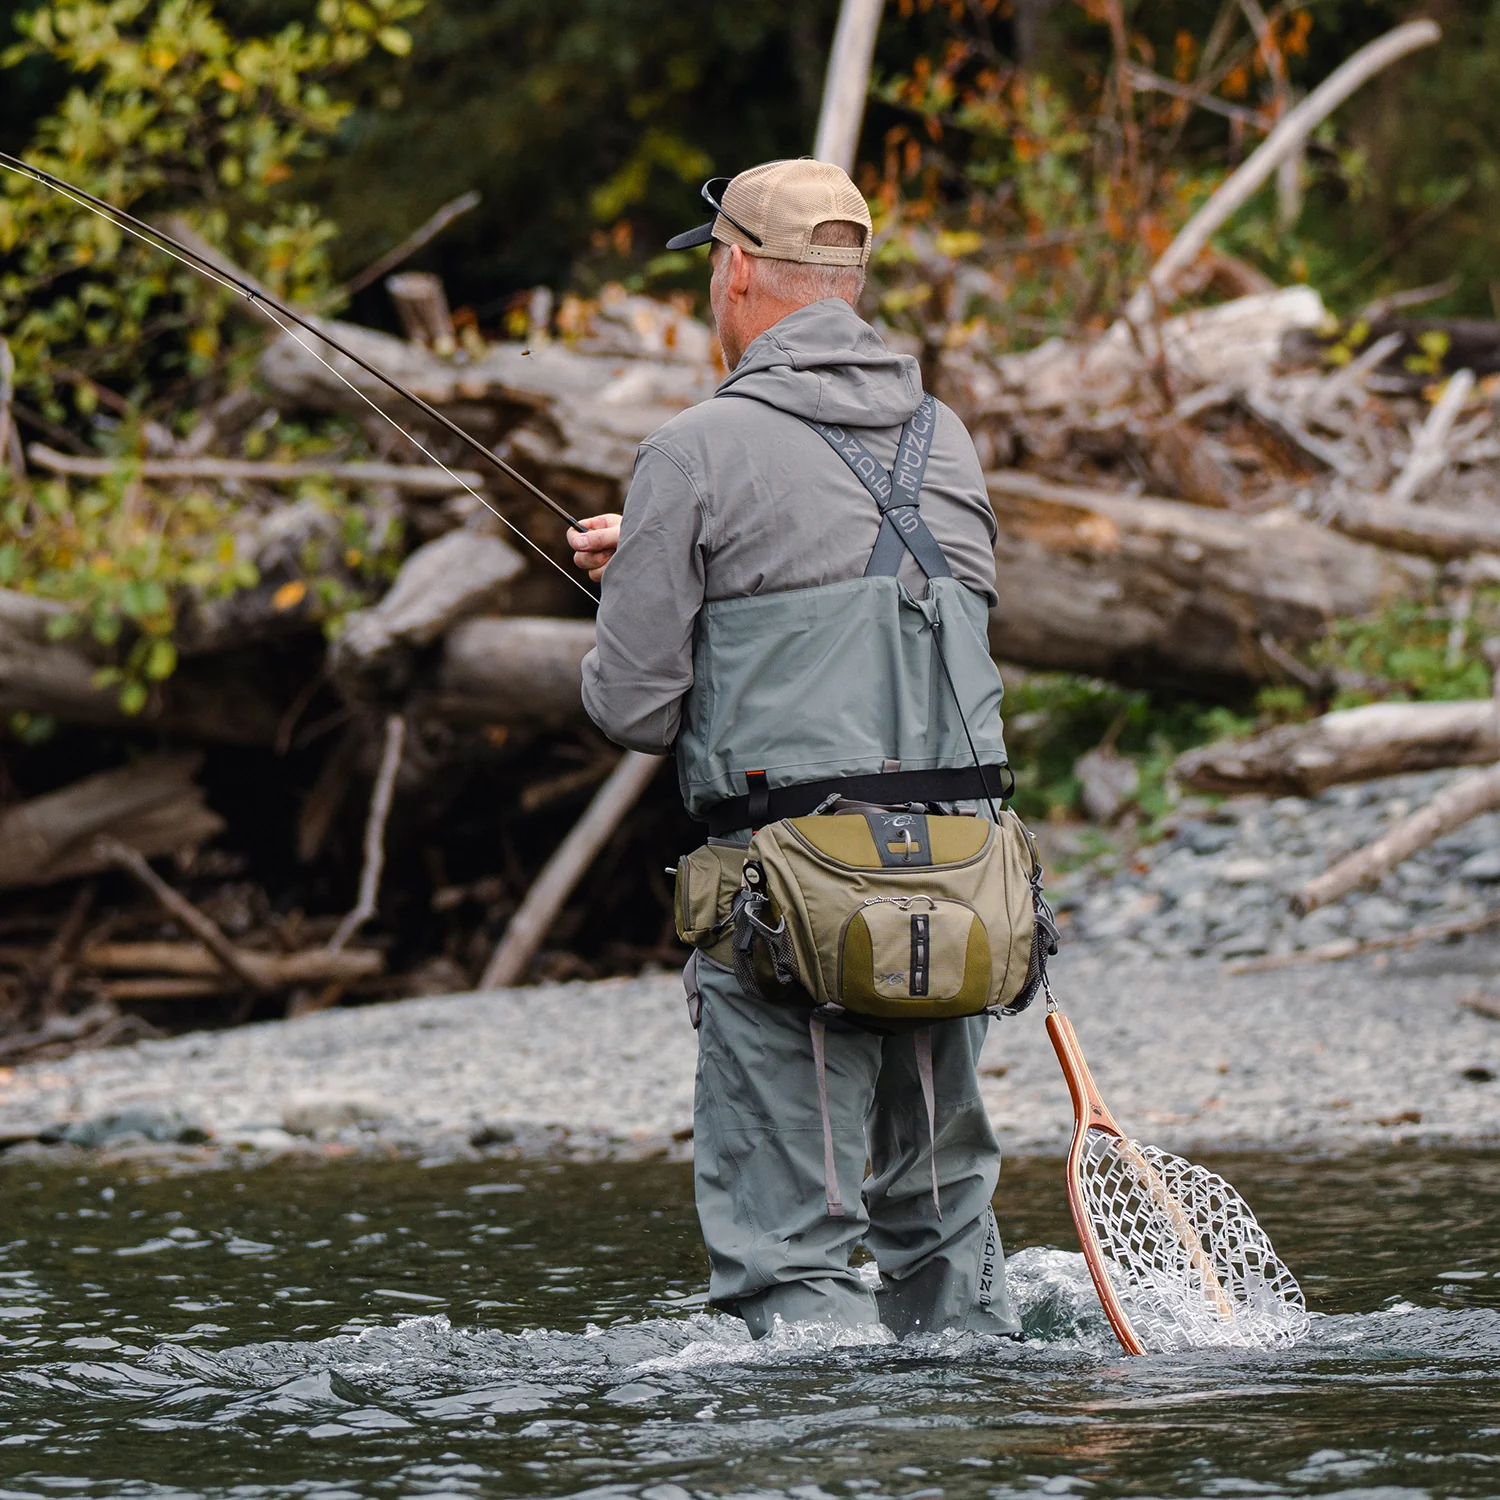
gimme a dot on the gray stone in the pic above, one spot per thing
(317, 1116)
(1379, 916)
(1208, 838)
(133, 1123)
(1484, 866)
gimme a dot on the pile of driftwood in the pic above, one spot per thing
(1185, 501)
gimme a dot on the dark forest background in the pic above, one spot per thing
(588, 128)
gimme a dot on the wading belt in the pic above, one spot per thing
(762, 804)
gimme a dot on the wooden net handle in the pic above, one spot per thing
(1089, 1113)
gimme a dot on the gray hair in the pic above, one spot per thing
(803, 281)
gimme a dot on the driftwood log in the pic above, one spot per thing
(567, 866)
(1355, 744)
(417, 478)
(1161, 593)
(152, 806)
(1426, 530)
(193, 960)
(1477, 793)
(204, 928)
(514, 670)
(233, 699)
(446, 581)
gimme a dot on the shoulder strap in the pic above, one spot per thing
(897, 493)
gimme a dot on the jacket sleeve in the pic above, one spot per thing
(650, 594)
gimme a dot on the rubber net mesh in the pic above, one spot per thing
(1190, 1264)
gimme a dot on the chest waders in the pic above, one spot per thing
(851, 904)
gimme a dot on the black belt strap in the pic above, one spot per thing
(762, 806)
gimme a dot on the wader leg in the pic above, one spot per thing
(948, 1272)
(758, 1163)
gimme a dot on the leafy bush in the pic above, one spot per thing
(173, 112)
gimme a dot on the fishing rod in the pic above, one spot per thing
(276, 310)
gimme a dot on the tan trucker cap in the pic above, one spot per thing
(772, 210)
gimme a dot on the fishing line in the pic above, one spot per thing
(158, 240)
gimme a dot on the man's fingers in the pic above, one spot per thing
(595, 544)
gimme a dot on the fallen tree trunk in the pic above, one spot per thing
(1422, 529)
(193, 960)
(438, 585)
(1355, 744)
(1451, 808)
(152, 806)
(1159, 593)
(515, 670)
(228, 700)
(419, 479)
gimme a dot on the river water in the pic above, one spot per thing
(508, 1329)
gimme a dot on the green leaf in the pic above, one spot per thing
(395, 39)
(133, 697)
(63, 627)
(161, 660)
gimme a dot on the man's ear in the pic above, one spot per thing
(740, 271)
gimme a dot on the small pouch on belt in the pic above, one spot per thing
(708, 880)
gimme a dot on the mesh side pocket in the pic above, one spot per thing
(1044, 941)
(765, 963)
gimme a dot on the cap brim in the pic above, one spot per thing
(699, 236)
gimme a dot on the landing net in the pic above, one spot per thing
(1191, 1266)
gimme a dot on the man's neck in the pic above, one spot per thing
(765, 318)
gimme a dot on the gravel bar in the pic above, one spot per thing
(1378, 1050)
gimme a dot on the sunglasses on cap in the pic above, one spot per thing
(712, 193)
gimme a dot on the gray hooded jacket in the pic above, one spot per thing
(735, 623)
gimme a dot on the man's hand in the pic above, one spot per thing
(595, 544)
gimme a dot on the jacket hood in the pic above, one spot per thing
(824, 362)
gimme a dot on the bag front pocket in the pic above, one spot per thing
(899, 955)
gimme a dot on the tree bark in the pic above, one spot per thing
(1355, 744)
(1424, 530)
(847, 82)
(1160, 593)
(152, 805)
(516, 670)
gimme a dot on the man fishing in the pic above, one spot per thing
(749, 621)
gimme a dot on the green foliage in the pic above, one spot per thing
(171, 110)
(124, 558)
(1413, 651)
(1053, 718)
